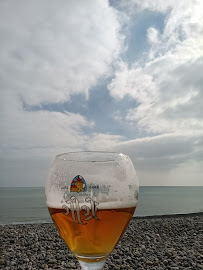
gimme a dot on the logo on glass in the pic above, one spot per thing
(78, 184)
(79, 212)
(72, 206)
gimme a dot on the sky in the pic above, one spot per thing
(122, 76)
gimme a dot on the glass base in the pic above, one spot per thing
(91, 263)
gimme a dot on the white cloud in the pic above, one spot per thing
(50, 51)
(103, 142)
(169, 100)
(152, 35)
(170, 82)
(33, 133)
(167, 86)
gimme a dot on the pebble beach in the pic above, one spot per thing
(171, 243)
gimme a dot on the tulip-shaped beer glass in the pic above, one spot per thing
(91, 197)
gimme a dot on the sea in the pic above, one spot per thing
(28, 205)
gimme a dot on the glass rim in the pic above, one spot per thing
(90, 156)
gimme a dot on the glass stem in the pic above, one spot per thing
(92, 265)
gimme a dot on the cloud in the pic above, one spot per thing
(168, 159)
(38, 133)
(48, 53)
(103, 142)
(171, 101)
(152, 35)
(51, 51)
(163, 151)
(168, 84)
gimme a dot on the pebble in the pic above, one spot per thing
(2, 261)
(71, 265)
(173, 243)
(143, 247)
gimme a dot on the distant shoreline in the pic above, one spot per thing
(170, 215)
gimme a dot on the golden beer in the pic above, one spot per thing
(97, 237)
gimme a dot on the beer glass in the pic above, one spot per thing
(91, 197)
